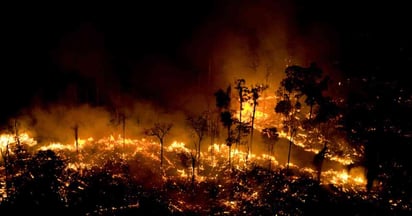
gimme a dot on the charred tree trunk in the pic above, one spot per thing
(76, 137)
(193, 168)
(292, 132)
(253, 126)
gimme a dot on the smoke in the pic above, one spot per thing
(98, 76)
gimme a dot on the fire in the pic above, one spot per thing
(247, 113)
(86, 153)
(353, 179)
(6, 139)
(211, 168)
(216, 154)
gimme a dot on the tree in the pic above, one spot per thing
(301, 81)
(212, 128)
(271, 136)
(290, 123)
(223, 99)
(199, 126)
(307, 82)
(159, 130)
(255, 92)
(243, 95)
(76, 136)
(227, 121)
(223, 104)
(120, 119)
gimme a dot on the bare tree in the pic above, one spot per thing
(159, 130)
(285, 108)
(199, 126)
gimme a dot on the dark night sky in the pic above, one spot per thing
(372, 38)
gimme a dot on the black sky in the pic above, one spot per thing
(373, 38)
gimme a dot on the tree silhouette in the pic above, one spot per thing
(159, 130)
(223, 99)
(285, 108)
(307, 82)
(199, 125)
(243, 95)
(227, 121)
(299, 82)
(223, 104)
(255, 92)
(76, 136)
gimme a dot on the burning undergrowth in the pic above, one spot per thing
(125, 171)
(123, 175)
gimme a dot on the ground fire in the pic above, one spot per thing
(247, 183)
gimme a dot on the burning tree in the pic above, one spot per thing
(159, 130)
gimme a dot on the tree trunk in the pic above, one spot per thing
(76, 137)
(253, 126)
(161, 153)
(193, 168)
(290, 147)
(198, 156)
(240, 124)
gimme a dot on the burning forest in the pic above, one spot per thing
(239, 111)
(204, 163)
